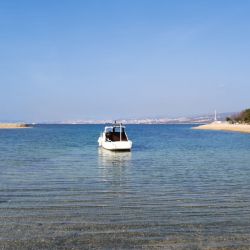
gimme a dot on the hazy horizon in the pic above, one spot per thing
(211, 114)
(122, 59)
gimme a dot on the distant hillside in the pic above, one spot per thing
(208, 118)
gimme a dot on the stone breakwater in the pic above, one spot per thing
(13, 125)
(243, 128)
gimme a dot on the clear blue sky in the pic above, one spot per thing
(89, 59)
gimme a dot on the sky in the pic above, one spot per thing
(94, 59)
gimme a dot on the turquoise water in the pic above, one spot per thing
(178, 189)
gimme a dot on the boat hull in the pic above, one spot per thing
(116, 146)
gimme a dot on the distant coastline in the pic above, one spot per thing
(225, 126)
(14, 125)
(196, 119)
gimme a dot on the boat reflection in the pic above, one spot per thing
(115, 171)
(109, 158)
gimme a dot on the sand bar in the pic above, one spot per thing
(13, 125)
(243, 128)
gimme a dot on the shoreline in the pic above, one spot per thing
(14, 125)
(242, 128)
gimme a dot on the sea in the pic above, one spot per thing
(177, 189)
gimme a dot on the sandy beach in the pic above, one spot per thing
(13, 125)
(243, 128)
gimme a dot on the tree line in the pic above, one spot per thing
(242, 117)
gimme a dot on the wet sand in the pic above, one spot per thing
(39, 233)
(243, 128)
(13, 125)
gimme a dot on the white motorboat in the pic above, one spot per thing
(115, 138)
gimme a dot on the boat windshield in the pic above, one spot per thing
(116, 134)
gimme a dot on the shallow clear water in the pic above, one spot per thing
(178, 189)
